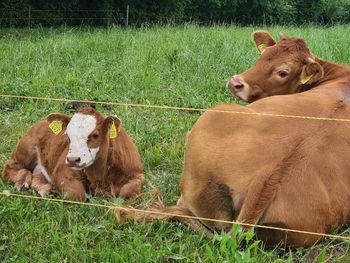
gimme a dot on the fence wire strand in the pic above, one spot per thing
(165, 107)
(115, 207)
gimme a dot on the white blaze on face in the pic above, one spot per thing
(78, 130)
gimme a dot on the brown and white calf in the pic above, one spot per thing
(274, 171)
(85, 152)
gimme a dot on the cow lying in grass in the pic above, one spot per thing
(273, 171)
(85, 152)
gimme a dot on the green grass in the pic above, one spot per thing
(182, 66)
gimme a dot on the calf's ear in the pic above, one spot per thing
(282, 36)
(311, 73)
(58, 122)
(262, 40)
(112, 124)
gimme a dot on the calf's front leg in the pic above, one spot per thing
(132, 187)
(40, 184)
(69, 184)
(17, 174)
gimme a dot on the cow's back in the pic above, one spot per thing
(306, 159)
(40, 144)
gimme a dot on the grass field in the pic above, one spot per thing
(182, 66)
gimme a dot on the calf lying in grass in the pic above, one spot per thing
(74, 155)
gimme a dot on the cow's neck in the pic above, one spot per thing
(98, 170)
(332, 72)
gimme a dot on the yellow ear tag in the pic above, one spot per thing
(56, 127)
(112, 132)
(261, 47)
(306, 79)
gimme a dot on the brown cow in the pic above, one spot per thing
(74, 154)
(284, 172)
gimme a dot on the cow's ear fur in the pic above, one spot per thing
(262, 40)
(282, 36)
(311, 73)
(59, 117)
(107, 123)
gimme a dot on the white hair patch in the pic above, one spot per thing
(78, 130)
(40, 168)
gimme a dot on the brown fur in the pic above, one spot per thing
(291, 54)
(117, 169)
(291, 173)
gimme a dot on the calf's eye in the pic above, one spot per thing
(282, 73)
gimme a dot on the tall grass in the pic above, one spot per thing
(180, 66)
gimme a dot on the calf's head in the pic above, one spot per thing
(284, 67)
(88, 134)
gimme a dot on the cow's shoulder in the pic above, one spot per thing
(124, 154)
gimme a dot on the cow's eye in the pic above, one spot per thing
(282, 74)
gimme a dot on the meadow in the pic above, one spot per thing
(184, 66)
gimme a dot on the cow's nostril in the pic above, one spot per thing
(235, 84)
(238, 86)
(73, 159)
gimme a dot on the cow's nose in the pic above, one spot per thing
(74, 160)
(235, 83)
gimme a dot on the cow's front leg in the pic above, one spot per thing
(17, 174)
(72, 189)
(40, 184)
(70, 184)
(132, 187)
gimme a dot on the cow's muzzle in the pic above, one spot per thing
(74, 163)
(238, 87)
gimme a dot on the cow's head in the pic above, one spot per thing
(284, 67)
(88, 134)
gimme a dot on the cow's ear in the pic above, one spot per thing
(58, 122)
(112, 124)
(262, 40)
(311, 73)
(282, 36)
